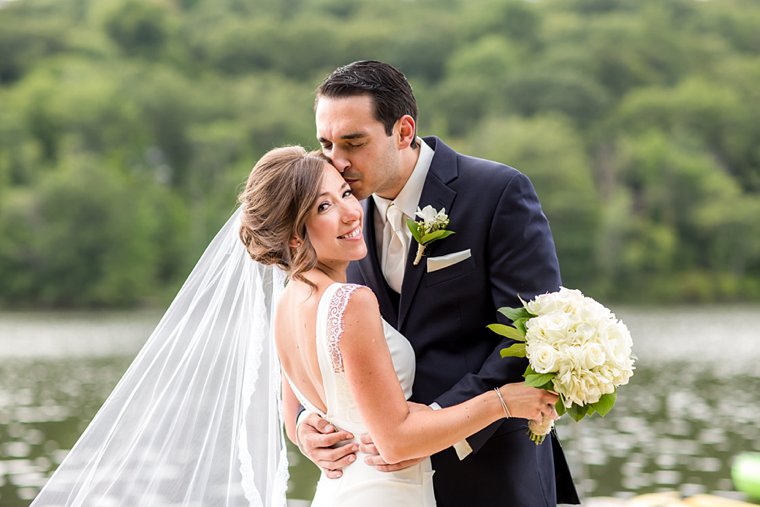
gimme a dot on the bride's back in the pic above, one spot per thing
(295, 338)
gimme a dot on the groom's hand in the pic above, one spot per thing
(373, 456)
(326, 446)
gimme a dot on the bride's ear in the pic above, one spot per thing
(295, 242)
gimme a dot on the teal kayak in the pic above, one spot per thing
(745, 473)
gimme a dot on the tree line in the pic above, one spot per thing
(128, 126)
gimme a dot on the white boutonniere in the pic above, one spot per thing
(432, 227)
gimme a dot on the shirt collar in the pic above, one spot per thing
(408, 199)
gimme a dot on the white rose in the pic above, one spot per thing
(592, 391)
(564, 362)
(544, 304)
(542, 357)
(570, 387)
(621, 376)
(591, 311)
(577, 357)
(581, 333)
(593, 355)
(552, 327)
(616, 339)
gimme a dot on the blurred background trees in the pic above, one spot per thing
(128, 126)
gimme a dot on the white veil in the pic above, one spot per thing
(195, 421)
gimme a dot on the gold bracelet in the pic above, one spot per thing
(503, 403)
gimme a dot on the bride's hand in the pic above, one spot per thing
(529, 402)
(326, 446)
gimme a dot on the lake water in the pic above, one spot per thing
(691, 407)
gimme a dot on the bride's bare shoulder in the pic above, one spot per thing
(358, 296)
(361, 305)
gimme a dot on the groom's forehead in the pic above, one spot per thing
(345, 116)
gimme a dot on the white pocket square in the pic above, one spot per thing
(444, 261)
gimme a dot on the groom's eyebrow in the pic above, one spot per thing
(345, 137)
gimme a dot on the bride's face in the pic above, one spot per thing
(334, 225)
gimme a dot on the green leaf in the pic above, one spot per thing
(560, 407)
(549, 386)
(508, 331)
(539, 379)
(520, 325)
(605, 404)
(514, 314)
(577, 412)
(414, 228)
(516, 350)
(432, 236)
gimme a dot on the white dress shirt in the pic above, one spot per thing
(407, 201)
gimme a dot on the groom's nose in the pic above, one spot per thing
(340, 161)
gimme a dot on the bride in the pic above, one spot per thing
(196, 420)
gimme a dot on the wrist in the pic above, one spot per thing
(503, 403)
(301, 417)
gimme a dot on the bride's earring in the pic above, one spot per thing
(295, 243)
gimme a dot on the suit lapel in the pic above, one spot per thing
(438, 194)
(370, 265)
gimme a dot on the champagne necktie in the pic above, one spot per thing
(395, 249)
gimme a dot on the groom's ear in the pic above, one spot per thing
(406, 131)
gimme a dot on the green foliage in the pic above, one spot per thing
(139, 28)
(507, 331)
(516, 350)
(548, 150)
(605, 404)
(86, 228)
(515, 314)
(637, 122)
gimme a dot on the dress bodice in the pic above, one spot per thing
(342, 410)
(362, 484)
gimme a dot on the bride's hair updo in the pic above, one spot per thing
(278, 197)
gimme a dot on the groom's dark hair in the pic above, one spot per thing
(388, 87)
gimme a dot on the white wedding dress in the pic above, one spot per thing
(362, 485)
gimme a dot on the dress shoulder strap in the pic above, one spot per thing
(335, 311)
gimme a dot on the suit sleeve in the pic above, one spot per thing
(521, 260)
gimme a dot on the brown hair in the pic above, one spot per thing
(278, 197)
(390, 91)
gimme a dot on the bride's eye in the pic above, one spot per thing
(348, 192)
(322, 207)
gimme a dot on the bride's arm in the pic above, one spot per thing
(398, 433)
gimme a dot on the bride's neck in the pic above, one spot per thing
(321, 275)
(334, 273)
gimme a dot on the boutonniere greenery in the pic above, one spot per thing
(431, 227)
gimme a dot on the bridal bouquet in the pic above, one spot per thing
(575, 347)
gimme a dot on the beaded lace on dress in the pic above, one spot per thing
(335, 312)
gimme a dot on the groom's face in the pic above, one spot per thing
(357, 145)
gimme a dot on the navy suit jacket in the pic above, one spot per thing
(495, 213)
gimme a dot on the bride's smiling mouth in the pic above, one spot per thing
(355, 233)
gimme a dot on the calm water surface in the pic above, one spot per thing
(693, 404)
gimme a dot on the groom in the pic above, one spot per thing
(502, 248)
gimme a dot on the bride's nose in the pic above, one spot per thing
(352, 213)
